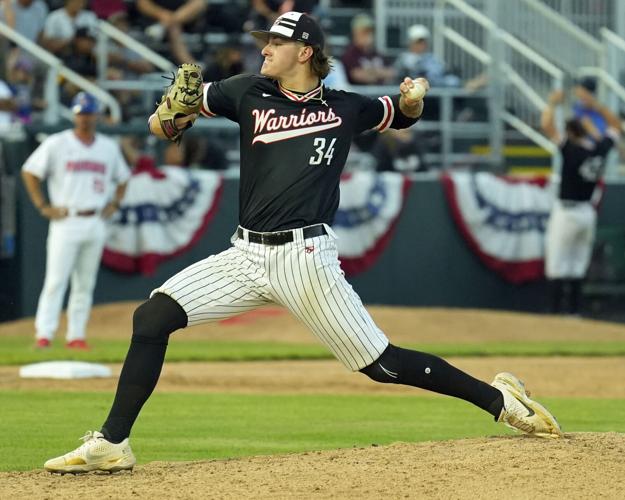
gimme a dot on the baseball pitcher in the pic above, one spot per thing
(295, 136)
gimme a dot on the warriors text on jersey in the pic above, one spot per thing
(294, 146)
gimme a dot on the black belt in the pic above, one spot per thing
(280, 237)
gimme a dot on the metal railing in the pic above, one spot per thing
(529, 77)
(518, 77)
(448, 102)
(614, 47)
(546, 31)
(57, 70)
(591, 16)
(397, 16)
(148, 84)
(108, 33)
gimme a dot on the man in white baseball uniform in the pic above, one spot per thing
(86, 175)
(571, 227)
(295, 137)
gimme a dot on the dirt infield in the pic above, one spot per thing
(583, 465)
(546, 377)
(402, 325)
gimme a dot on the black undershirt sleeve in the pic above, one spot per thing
(400, 120)
(380, 114)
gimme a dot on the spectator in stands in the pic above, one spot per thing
(337, 78)
(126, 61)
(27, 17)
(363, 65)
(263, 13)
(227, 62)
(400, 151)
(419, 61)
(70, 34)
(7, 106)
(16, 94)
(126, 64)
(104, 9)
(21, 81)
(226, 17)
(195, 152)
(171, 17)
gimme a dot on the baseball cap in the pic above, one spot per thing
(418, 32)
(294, 26)
(84, 103)
(362, 21)
(587, 82)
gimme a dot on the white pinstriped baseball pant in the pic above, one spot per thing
(304, 276)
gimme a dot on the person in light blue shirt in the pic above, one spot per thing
(419, 61)
(27, 17)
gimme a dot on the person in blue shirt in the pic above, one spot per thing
(419, 60)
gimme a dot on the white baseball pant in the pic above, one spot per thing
(74, 247)
(304, 276)
(569, 239)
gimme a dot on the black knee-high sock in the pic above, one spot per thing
(557, 295)
(419, 369)
(152, 324)
(575, 296)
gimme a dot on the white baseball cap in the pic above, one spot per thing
(418, 32)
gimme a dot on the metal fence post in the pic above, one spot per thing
(438, 39)
(497, 90)
(380, 25)
(102, 55)
(52, 98)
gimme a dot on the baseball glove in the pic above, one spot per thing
(182, 98)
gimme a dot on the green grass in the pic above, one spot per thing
(16, 350)
(38, 425)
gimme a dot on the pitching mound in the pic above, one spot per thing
(583, 465)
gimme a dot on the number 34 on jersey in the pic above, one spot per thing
(323, 151)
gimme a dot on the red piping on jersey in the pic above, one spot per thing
(389, 113)
(295, 97)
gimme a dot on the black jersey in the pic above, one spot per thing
(582, 167)
(294, 146)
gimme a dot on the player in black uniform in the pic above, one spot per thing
(573, 219)
(295, 136)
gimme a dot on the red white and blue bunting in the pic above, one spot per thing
(502, 220)
(165, 211)
(367, 215)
